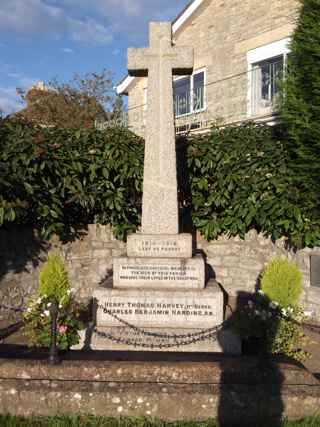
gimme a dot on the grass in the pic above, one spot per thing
(91, 421)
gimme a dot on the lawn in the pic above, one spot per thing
(90, 421)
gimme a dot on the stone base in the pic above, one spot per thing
(225, 342)
(159, 246)
(159, 273)
(172, 312)
(155, 308)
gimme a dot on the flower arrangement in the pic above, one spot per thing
(275, 322)
(54, 288)
(279, 329)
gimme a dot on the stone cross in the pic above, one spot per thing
(159, 62)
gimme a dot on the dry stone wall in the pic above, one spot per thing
(235, 263)
(22, 253)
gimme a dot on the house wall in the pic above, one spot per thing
(236, 264)
(222, 32)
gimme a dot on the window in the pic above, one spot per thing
(266, 66)
(188, 94)
(265, 83)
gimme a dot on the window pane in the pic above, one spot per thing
(277, 71)
(198, 91)
(265, 83)
(181, 96)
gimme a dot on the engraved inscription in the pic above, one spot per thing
(157, 246)
(154, 272)
(127, 308)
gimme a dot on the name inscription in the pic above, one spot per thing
(156, 309)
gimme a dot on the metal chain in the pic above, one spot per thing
(119, 340)
(160, 335)
(179, 339)
(15, 309)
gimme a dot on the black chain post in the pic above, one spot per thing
(53, 357)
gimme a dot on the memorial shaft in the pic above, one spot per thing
(160, 196)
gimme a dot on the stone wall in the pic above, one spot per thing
(235, 263)
(221, 33)
(89, 260)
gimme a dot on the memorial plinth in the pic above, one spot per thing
(159, 289)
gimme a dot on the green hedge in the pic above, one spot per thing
(240, 180)
(60, 180)
(237, 179)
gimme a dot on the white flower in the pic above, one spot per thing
(308, 313)
(49, 304)
(273, 304)
(283, 311)
(257, 312)
(46, 313)
(39, 300)
(29, 310)
(260, 292)
(60, 306)
(269, 175)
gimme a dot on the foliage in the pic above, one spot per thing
(54, 288)
(281, 281)
(75, 104)
(60, 180)
(237, 178)
(279, 328)
(53, 278)
(300, 108)
(38, 322)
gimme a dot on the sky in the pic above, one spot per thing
(45, 39)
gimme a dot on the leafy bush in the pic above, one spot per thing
(60, 180)
(54, 288)
(281, 282)
(240, 180)
(237, 178)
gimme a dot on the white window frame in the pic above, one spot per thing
(263, 53)
(195, 72)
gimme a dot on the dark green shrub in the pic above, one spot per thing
(61, 180)
(300, 108)
(240, 180)
(237, 178)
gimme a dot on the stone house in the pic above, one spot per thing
(241, 47)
